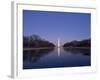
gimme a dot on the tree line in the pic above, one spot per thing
(35, 41)
(82, 43)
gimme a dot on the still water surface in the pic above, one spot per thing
(53, 58)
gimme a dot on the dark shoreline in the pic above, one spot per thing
(38, 48)
(78, 47)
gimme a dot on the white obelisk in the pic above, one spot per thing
(58, 46)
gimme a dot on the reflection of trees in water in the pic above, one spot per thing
(35, 54)
(82, 51)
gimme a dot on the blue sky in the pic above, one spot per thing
(53, 25)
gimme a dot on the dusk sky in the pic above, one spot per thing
(53, 25)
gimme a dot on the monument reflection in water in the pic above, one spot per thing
(56, 57)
